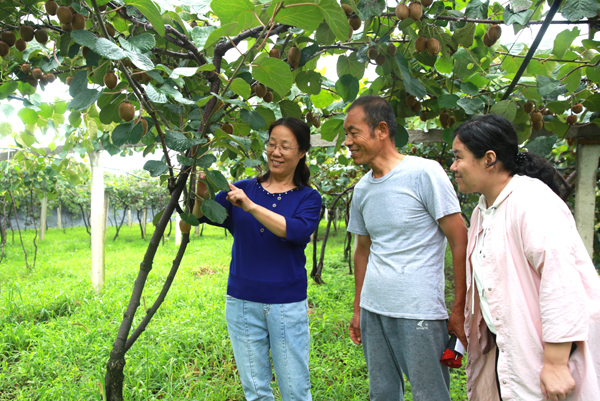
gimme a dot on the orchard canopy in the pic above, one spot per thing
(152, 75)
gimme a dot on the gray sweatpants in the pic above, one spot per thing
(414, 347)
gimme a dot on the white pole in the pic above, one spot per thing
(59, 217)
(129, 217)
(198, 230)
(43, 218)
(585, 192)
(106, 201)
(97, 220)
(144, 217)
(177, 230)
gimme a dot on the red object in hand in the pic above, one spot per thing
(452, 356)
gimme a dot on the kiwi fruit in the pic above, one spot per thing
(355, 22)
(144, 125)
(411, 100)
(416, 107)
(451, 121)
(4, 49)
(146, 77)
(528, 107)
(50, 77)
(110, 29)
(103, 8)
(577, 108)
(85, 51)
(20, 45)
(414, 150)
(391, 49)
(538, 125)
(26, 32)
(51, 7)
(571, 119)
(402, 12)
(433, 47)
(372, 53)
(309, 117)
(69, 80)
(293, 55)
(73, 12)
(261, 90)
(421, 44)
(66, 27)
(41, 36)
(110, 80)
(350, 33)
(536, 116)
(26, 68)
(380, 59)
(444, 118)
(316, 122)
(547, 112)
(184, 227)
(494, 32)
(426, 3)
(78, 22)
(37, 73)
(64, 15)
(44, 80)
(423, 116)
(415, 11)
(126, 111)
(32, 81)
(268, 97)
(9, 37)
(227, 128)
(487, 41)
(347, 9)
(274, 53)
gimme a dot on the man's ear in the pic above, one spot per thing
(384, 131)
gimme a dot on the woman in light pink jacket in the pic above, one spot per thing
(533, 295)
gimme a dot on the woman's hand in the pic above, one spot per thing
(239, 198)
(556, 380)
(201, 188)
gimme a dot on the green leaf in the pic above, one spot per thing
(322, 100)
(274, 73)
(350, 65)
(28, 116)
(332, 128)
(324, 34)
(214, 211)
(190, 219)
(267, 114)
(520, 18)
(46, 110)
(108, 49)
(336, 18)
(593, 74)
(290, 109)
(156, 168)
(592, 103)
(506, 108)
(84, 99)
(309, 82)
(307, 17)
(206, 161)
(183, 71)
(224, 30)
(8, 88)
(469, 88)
(141, 61)
(241, 88)
(542, 145)
(7, 110)
(201, 34)
(121, 134)
(217, 180)
(563, 41)
(401, 138)
(5, 129)
(464, 36)
(444, 65)
(179, 142)
(253, 118)
(477, 9)
(448, 101)
(471, 105)
(84, 38)
(370, 8)
(412, 85)
(575, 10)
(79, 83)
(142, 43)
(151, 12)
(347, 87)
(229, 10)
(550, 88)
(157, 217)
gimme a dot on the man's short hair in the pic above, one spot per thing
(376, 110)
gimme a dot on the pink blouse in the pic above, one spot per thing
(542, 287)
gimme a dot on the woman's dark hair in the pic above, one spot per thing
(494, 132)
(301, 131)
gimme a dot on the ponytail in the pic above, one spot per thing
(536, 166)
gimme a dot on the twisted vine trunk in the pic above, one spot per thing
(114, 377)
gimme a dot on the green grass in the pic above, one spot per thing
(56, 334)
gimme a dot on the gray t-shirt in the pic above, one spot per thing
(399, 211)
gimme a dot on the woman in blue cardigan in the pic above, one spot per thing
(271, 219)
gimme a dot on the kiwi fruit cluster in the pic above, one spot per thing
(261, 91)
(293, 58)
(431, 45)
(312, 119)
(492, 35)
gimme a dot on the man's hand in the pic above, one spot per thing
(355, 328)
(557, 382)
(239, 198)
(456, 325)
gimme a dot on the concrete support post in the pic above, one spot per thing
(178, 236)
(106, 201)
(59, 217)
(129, 218)
(43, 218)
(97, 220)
(585, 192)
(144, 218)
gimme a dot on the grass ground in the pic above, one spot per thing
(56, 334)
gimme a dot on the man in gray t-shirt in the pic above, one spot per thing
(403, 210)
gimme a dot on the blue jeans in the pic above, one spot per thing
(254, 328)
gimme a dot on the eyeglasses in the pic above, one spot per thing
(282, 148)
